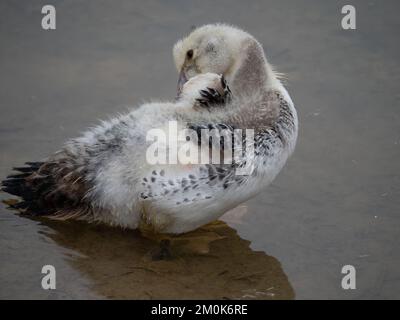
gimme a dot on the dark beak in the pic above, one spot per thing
(181, 81)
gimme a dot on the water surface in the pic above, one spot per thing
(335, 203)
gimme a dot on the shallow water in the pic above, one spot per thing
(336, 202)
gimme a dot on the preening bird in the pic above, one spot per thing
(104, 175)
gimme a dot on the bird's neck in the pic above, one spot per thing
(251, 72)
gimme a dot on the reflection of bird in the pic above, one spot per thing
(230, 270)
(104, 175)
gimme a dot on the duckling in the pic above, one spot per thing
(104, 175)
(259, 102)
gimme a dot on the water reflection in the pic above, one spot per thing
(118, 264)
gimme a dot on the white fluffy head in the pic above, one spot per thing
(210, 48)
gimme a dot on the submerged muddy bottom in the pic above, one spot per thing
(123, 267)
(212, 262)
(336, 202)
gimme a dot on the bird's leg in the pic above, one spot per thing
(212, 97)
(193, 242)
(163, 251)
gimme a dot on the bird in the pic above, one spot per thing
(225, 83)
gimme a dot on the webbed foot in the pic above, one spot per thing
(212, 97)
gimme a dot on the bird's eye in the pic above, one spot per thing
(189, 54)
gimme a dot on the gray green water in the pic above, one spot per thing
(337, 202)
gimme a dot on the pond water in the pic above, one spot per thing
(336, 203)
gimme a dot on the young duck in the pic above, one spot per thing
(105, 175)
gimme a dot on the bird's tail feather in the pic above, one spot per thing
(44, 189)
(27, 184)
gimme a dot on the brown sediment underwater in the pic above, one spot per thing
(212, 262)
